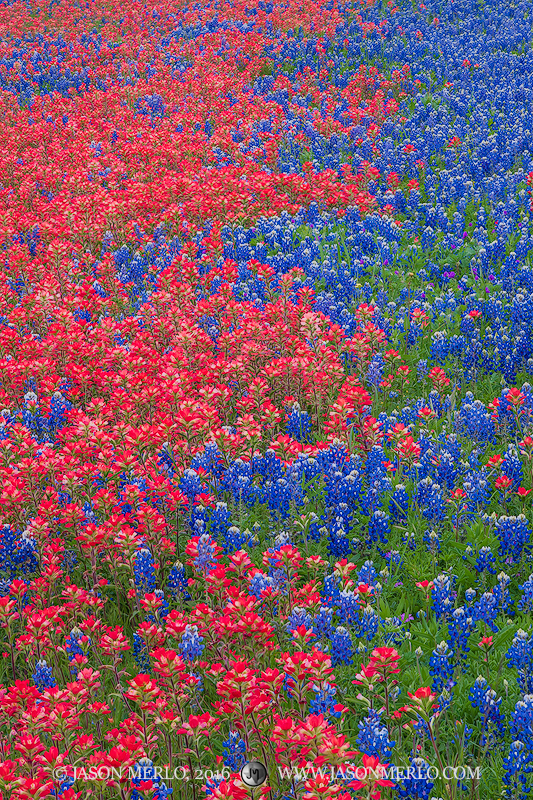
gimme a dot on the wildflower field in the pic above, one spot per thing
(266, 430)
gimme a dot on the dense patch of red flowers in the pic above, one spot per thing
(94, 160)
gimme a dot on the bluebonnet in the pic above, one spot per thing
(409, 539)
(299, 425)
(33, 418)
(442, 596)
(460, 626)
(394, 559)
(435, 402)
(439, 347)
(378, 527)
(205, 559)
(343, 515)
(501, 592)
(367, 574)
(324, 702)
(425, 470)
(18, 553)
(399, 503)
(374, 374)
(339, 545)
(210, 460)
(73, 646)
(220, 521)
(373, 737)
(140, 654)
(349, 608)
(234, 751)
(279, 578)
(191, 646)
(288, 686)
(441, 667)
(421, 727)
(372, 498)
(526, 601)
(341, 647)
(298, 617)
(342, 487)
(279, 496)
(473, 421)
(477, 489)
(485, 561)
(143, 771)
(270, 467)
(65, 783)
(59, 405)
(212, 784)
(177, 581)
(430, 499)
(259, 583)
(520, 656)
(42, 677)
(417, 785)
(190, 484)
(473, 458)
(486, 609)
(198, 520)
(422, 369)
(144, 572)
(238, 479)
(447, 469)
(281, 539)
(435, 509)
(514, 535)
(90, 515)
(369, 623)
(512, 467)
(489, 704)
(322, 623)
(521, 723)
(234, 539)
(374, 464)
(70, 559)
(517, 766)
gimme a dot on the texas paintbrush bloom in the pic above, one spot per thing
(426, 587)
(439, 379)
(374, 778)
(384, 660)
(423, 701)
